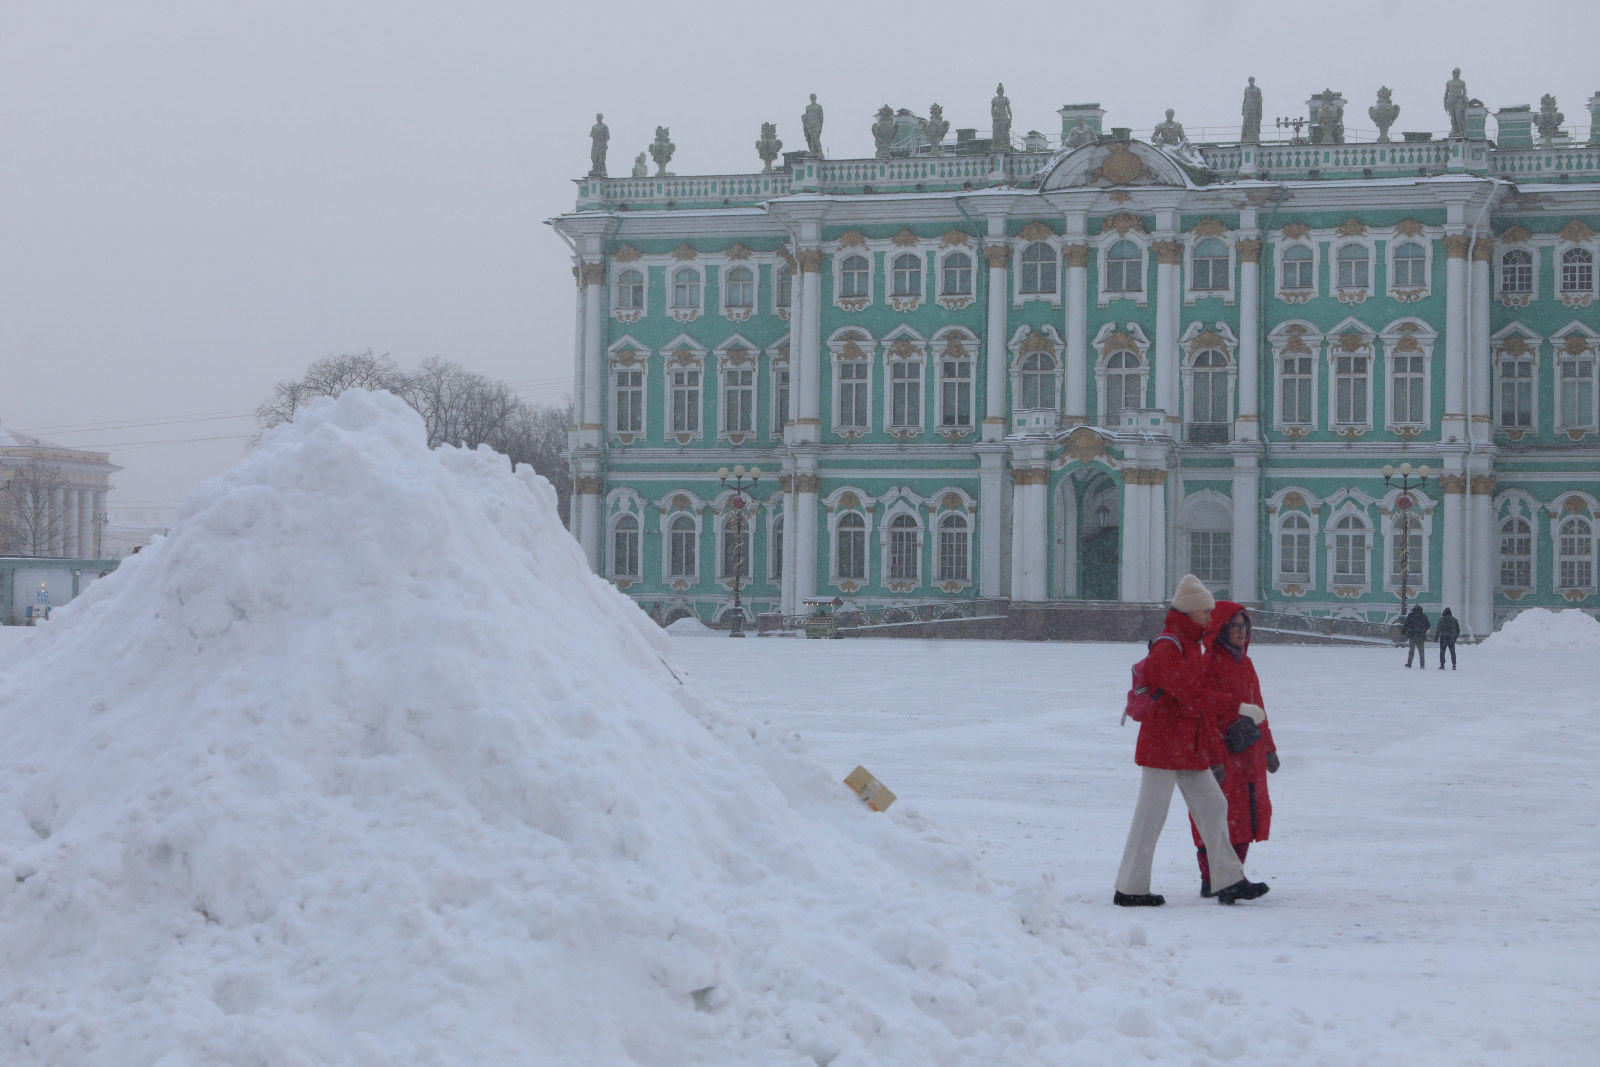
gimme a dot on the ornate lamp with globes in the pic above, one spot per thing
(740, 482)
(1408, 480)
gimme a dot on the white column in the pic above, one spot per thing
(994, 408)
(69, 522)
(1478, 360)
(809, 358)
(805, 555)
(590, 425)
(579, 324)
(1455, 353)
(86, 524)
(1247, 427)
(1452, 552)
(1168, 253)
(1246, 528)
(788, 604)
(1135, 535)
(1019, 536)
(1076, 259)
(1480, 601)
(58, 522)
(586, 509)
(1156, 573)
(991, 509)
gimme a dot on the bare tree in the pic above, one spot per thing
(460, 407)
(330, 376)
(33, 521)
(537, 436)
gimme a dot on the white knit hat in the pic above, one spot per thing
(1192, 595)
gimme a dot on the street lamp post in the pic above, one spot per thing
(1403, 504)
(738, 504)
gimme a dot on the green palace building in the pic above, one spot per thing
(978, 371)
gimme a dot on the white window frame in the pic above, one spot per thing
(677, 356)
(775, 534)
(619, 312)
(1511, 298)
(1408, 293)
(904, 348)
(1331, 534)
(1296, 340)
(743, 312)
(1042, 340)
(952, 301)
(1561, 557)
(1282, 580)
(1052, 247)
(951, 583)
(943, 343)
(1106, 243)
(1334, 354)
(1393, 337)
(1192, 348)
(1590, 423)
(886, 534)
(1529, 358)
(626, 354)
(1204, 514)
(1298, 295)
(1351, 294)
(918, 293)
(1528, 560)
(669, 524)
(725, 389)
(778, 365)
(775, 288)
(1191, 243)
(1102, 345)
(1582, 296)
(840, 257)
(842, 347)
(835, 521)
(624, 504)
(686, 312)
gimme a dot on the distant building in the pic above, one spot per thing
(1077, 372)
(52, 498)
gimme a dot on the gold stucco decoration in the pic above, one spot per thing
(954, 349)
(852, 239)
(738, 251)
(1455, 245)
(1085, 445)
(1408, 228)
(1036, 342)
(848, 499)
(810, 260)
(1296, 231)
(1407, 343)
(1577, 231)
(736, 356)
(953, 238)
(787, 256)
(1483, 251)
(998, 256)
(626, 254)
(905, 238)
(1032, 476)
(1144, 476)
(1352, 227)
(1514, 346)
(807, 483)
(680, 502)
(684, 251)
(1207, 339)
(1483, 484)
(1169, 252)
(1352, 342)
(851, 350)
(1122, 222)
(904, 348)
(683, 357)
(1120, 167)
(1575, 344)
(1208, 228)
(1294, 501)
(588, 485)
(1075, 255)
(594, 274)
(1573, 505)
(1118, 341)
(951, 502)
(1249, 250)
(1035, 231)
(1454, 484)
(1513, 235)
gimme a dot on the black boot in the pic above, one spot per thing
(1243, 889)
(1138, 900)
(1205, 888)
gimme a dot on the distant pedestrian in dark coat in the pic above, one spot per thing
(1244, 783)
(1449, 630)
(1415, 631)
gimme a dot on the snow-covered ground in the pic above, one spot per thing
(362, 766)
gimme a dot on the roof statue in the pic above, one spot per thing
(599, 137)
(1000, 115)
(1384, 112)
(1250, 129)
(883, 131)
(1455, 103)
(768, 147)
(1168, 132)
(936, 126)
(811, 125)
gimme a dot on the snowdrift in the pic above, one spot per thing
(362, 765)
(1542, 628)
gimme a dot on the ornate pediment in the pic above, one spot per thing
(1117, 163)
(952, 238)
(1577, 231)
(1122, 222)
(1036, 231)
(852, 239)
(905, 238)
(1208, 228)
(1513, 235)
(684, 251)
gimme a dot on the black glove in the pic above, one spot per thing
(1272, 763)
(1220, 772)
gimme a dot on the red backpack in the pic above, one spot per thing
(1142, 696)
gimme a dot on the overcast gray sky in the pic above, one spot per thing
(200, 197)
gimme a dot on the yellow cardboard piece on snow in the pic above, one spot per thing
(875, 793)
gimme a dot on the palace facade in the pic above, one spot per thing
(980, 370)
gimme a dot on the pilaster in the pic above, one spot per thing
(586, 490)
(1246, 527)
(994, 409)
(808, 354)
(1075, 257)
(1169, 252)
(991, 515)
(1479, 621)
(1480, 384)
(1452, 556)
(1455, 371)
(1247, 426)
(806, 486)
(591, 425)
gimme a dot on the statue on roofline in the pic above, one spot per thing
(599, 137)
(1000, 116)
(811, 125)
(1168, 132)
(1250, 129)
(1455, 103)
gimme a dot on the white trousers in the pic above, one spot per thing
(1210, 811)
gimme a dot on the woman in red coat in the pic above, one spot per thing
(1244, 783)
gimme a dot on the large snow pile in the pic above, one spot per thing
(1545, 629)
(362, 765)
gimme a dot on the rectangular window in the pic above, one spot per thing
(780, 404)
(955, 392)
(738, 400)
(1516, 555)
(1211, 556)
(680, 548)
(625, 550)
(1352, 271)
(629, 408)
(1350, 390)
(1516, 393)
(853, 394)
(1408, 391)
(1575, 402)
(1294, 556)
(685, 400)
(1350, 558)
(905, 382)
(785, 296)
(903, 554)
(1298, 389)
(952, 553)
(852, 553)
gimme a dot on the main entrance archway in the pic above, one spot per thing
(1088, 536)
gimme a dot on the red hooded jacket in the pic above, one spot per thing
(1183, 733)
(1230, 671)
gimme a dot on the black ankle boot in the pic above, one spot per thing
(1243, 889)
(1205, 888)
(1138, 900)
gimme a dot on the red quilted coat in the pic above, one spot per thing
(1245, 785)
(1183, 732)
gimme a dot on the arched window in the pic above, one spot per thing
(854, 276)
(1294, 549)
(1298, 267)
(1410, 266)
(1038, 381)
(1516, 554)
(1124, 385)
(1038, 264)
(1577, 270)
(903, 555)
(1352, 263)
(685, 288)
(850, 547)
(681, 561)
(630, 291)
(953, 541)
(1575, 554)
(1124, 268)
(957, 275)
(625, 548)
(1210, 262)
(1209, 383)
(1349, 551)
(1516, 271)
(785, 287)
(907, 275)
(741, 288)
